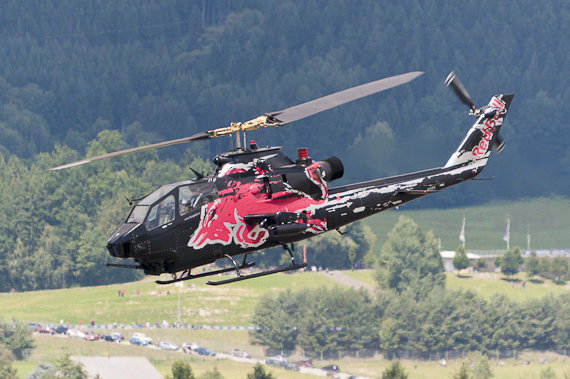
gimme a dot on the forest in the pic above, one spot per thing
(80, 79)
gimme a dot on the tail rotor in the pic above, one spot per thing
(455, 84)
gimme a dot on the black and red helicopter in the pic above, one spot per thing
(258, 198)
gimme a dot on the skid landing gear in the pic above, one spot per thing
(241, 277)
(209, 273)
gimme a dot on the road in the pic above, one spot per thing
(348, 281)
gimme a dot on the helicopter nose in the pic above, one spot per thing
(119, 245)
(117, 250)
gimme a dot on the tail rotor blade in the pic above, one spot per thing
(499, 143)
(453, 82)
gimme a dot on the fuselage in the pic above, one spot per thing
(258, 198)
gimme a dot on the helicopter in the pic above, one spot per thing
(258, 198)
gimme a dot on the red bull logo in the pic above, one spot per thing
(489, 128)
(222, 221)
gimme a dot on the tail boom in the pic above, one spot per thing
(353, 202)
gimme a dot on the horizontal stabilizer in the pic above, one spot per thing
(417, 192)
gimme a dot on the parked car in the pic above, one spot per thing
(240, 353)
(117, 336)
(333, 368)
(278, 360)
(44, 330)
(167, 346)
(189, 347)
(333, 374)
(205, 351)
(33, 325)
(60, 329)
(292, 366)
(75, 333)
(142, 336)
(307, 363)
(92, 337)
(138, 341)
(108, 338)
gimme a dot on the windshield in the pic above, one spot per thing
(138, 213)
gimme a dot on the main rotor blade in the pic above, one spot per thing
(322, 104)
(195, 137)
(274, 118)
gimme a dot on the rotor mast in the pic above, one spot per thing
(235, 128)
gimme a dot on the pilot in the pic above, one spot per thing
(166, 213)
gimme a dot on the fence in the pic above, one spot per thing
(413, 355)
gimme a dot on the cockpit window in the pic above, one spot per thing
(138, 213)
(195, 195)
(162, 213)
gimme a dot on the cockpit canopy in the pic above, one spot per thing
(170, 201)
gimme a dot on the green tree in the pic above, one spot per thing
(389, 338)
(497, 261)
(410, 258)
(460, 260)
(548, 373)
(259, 373)
(214, 374)
(323, 310)
(395, 371)
(274, 314)
(40, 370)
(68, 369)
(6, 359)
(481, 264)
(532, 265)
(559, 268)
(337, 251)
(17, 337)
(510, 261)
(482, 369)
(545, 265)
(463, 372)
(181, 370)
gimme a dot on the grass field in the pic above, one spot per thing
(487, 284)
(370, 367)
(231, 305)
(200, 304)
(546, 219)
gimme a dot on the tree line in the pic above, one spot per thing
(332, 320)
(413, 311)
(54, 224)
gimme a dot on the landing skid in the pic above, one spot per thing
(209, 273)
(241, 277)
(258, 274)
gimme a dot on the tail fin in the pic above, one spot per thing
(484, 134)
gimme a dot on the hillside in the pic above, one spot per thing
(545, 219)
(168, 69)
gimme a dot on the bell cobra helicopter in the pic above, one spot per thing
(259, 198)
